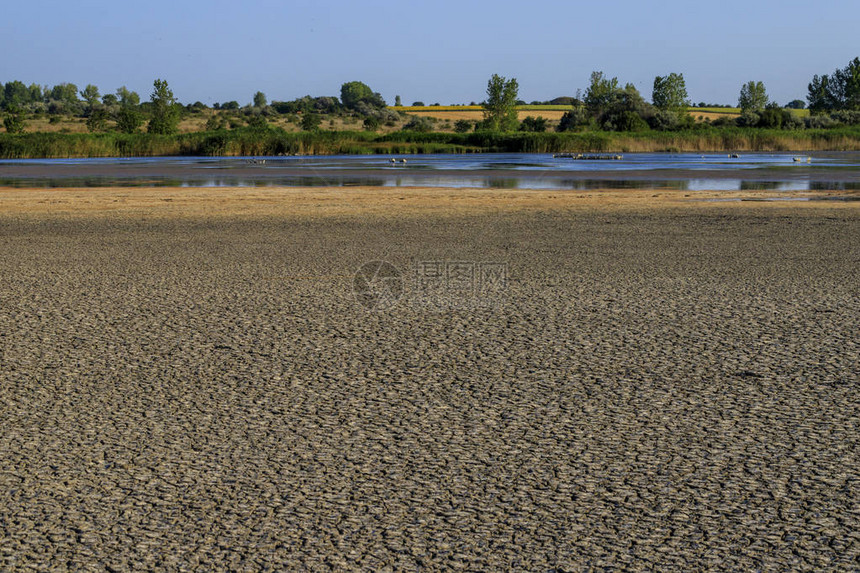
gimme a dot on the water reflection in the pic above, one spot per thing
(683, 172)
(524, 183)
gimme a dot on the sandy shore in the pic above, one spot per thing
(659, 382)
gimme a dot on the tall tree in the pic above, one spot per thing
(65, 92)
(600, 93)
(165, 112)
(500, 111)
(16, 93)
(36, 93)
(848, 85)
(820, 97)
(90, 94)
(354, 93)
(259, 99)
(127, 97)
(753, 97)
(670, 93)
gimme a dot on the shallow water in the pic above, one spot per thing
(682, 171)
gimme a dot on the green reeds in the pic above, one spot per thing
(274, 142)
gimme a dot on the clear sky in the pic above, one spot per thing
(443, 51)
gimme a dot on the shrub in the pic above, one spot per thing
(847, 117)
(128, 119)
(419, 124)
(664, 121)
(311, 122)
(258, 122)
(625, 121)
(462, 126)
(819, 122)
(97, 121)
(14, 121)
(533, 124)
(572, 119)
(748, 119)
(773, 118)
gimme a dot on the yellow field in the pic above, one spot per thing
(478, 115)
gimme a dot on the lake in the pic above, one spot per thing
(681, 171)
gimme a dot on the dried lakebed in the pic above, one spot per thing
(651, 389)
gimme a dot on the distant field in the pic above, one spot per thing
(717, 112)
(476, 112)
(420, 108)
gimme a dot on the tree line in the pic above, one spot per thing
(606, 105)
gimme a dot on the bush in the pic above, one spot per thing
(664, 121)
(773, 118)
(462, 126)
(128, 120)
(846, 117)
(311, 122)
(371, 123)
(533, 124)
(419, 124)
(573, 119)
(14, 121)
(624, 121)
(748, 119)
(97, 120)
(819, 122)
(258, 122)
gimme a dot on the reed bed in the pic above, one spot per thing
(274, 142)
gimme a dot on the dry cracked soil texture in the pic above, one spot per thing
(649, 390)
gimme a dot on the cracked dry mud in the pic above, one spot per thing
(655, 390)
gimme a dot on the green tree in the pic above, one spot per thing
(16, 94)
(165, 113)
(670, 93)
(311, 122)
(848, 86)
(354, 93)
(600, 93)
(573, 119)
(371, 123)
(258, 122)
(127, 97)
(90, 94)
(128, 119)
(110, 100)
(533, 124)
(796, 104)
(65, 92)
(753, 97)
(500, 111)
(462, 126)
(259, 99)
(97, 121)
(14, 120)
(626, 110)
(397, 101)
(36, 93)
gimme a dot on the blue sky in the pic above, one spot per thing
(441, 51)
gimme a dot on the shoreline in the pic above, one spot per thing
(219, 202)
